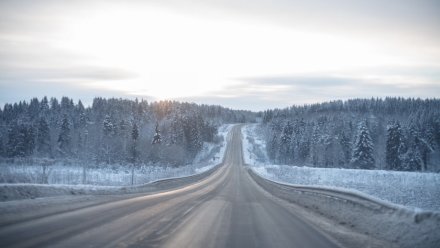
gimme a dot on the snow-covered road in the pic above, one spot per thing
(224, 210)
(228, 208)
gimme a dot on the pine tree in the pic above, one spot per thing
(82, 120)
(29, 137)
(16, 146)
(177, 136)
(43, 138)
(272, 147)
(345, 146)
(314, 144)
(286, 149)
(108, 144)
(108, 126)
(44, 106)
(34, 108)
(363, 150)
(2, 148)
(21, 140)
(195, 143)
(134, 139)
(64, 138)
(393, 144)
(134, 149)
(412, 159)
(157, 138)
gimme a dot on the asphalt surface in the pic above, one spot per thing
(227, 209)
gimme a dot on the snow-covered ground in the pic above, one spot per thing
(110, 175)
(410, 189)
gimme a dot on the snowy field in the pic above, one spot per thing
(411, 189)
(110, 175)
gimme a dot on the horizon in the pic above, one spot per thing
(89, 104)
(238, 54)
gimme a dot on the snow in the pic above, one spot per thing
(414, 190)
(18, 181)
(381, 208)
(212, 154)
(254, 147)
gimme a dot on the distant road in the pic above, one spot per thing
(227, 209)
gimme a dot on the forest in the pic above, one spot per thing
(110, 131)
(390, 134)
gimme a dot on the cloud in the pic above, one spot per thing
(310, 81)
(84, 73)
(260, 93)
(39, 56)
(14, 91)
(415, 21)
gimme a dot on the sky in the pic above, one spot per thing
(242, 54)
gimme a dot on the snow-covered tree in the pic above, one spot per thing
(107, 146)
(102, 125)
(65, 138)
(286, 148)
(21, 140)
(34, 109)
(363, 149)
(44, 107)
(2, 148)
(16, 146)
(192, 136)
(412, 159)
(134, 149)
(134, 140)
(43, 138)
(393, 144)
(157, 138)
(345, 144)
(177, 136)
(108, 127)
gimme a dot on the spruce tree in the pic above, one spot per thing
(29, 136)
(286, 149)
(43, 138)
(44, 106)
(16, 146)
(393, 144)
(134, 139)
(108, 126)
(272, 147)
(107, 144)
(134, 149)
(363, 149)
(412, 159)
(345, 146)
(64, 139)
(21, 140)
(157, 138)
(2, 148)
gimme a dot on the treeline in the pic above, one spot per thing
(390, 133)
(111, 130)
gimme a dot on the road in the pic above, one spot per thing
(227, 209)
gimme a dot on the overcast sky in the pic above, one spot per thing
(254, 54)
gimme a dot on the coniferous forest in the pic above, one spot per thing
(391, 134)
(111, 130)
